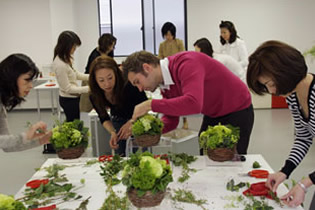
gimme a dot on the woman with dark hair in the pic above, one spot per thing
(108, 90)
(67, 76)
(171, 45)
(231, 43)
(279, 69)
(106, 46)
(203, 45)
(17, 73)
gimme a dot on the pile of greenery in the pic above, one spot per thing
(110, 170)
(9, 203)
(69, 134)
(219, 136)
(147, 124)
(182, 159)
(144, 173)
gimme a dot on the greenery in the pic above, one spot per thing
(147, 124)
(114, 202)
(231, 186)
(144, 173)
(111, 169)
(219, 136)
(256, 165)
(187, 196)
(69, 134)
(9, 203)
(182, 159)
(310, 52)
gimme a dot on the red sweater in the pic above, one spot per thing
(201, 85)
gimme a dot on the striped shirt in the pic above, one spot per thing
(304, 130)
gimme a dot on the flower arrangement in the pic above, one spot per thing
(222, 137)
(147, 130)
(70, 135)
(9, 203)
(146, 179)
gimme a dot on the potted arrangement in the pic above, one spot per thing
(146, 179)
(9, 203)
(219, 141)
(70, 139)
(147, 130)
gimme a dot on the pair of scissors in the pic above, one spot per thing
(257, 173)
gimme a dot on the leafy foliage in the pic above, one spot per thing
(9, 203)
(147, 124)
(219, 136)
(182, 159)
(187, 196)
(310, 52)
(256, 165)
(69, 134)
(111, 169)
(231, 186)
(144, 173)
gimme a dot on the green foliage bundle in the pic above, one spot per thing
(310, 52)
(219, 136)
(144, 173)
(9, 203)
(147, 124)
(69, 134)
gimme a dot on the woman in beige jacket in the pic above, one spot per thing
(67, 76)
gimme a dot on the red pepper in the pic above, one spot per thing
(163, 157)
(258, 189)
(104, 158)
(52, 207)
(263, 174)
(36, 183)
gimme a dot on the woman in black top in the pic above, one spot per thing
(110, 91)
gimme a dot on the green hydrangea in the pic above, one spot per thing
(8, 203)
(147, 124)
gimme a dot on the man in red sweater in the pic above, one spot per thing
(192, 83)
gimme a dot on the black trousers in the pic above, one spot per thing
(71, 107)
(243, 119)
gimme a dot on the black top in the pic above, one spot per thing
(94, 54)
(131, 96)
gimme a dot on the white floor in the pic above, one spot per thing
(272, 137)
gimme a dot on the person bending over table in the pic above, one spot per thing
(109, 90)
(17, 73)
(279, 69)
(192, 83)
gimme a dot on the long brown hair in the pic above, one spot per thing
(96, 92)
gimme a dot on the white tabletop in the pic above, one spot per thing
(47, 86)
(207, 183)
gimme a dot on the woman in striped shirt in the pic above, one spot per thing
(280, 69)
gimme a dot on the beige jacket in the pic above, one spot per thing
(168, 48)
(67, 79)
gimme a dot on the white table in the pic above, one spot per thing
(208, 183)
(54, 90)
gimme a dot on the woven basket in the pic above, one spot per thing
(221, 154)
(147, 200)
(70, 153)
(147, 140)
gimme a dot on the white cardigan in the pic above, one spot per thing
(237, 50)
(67, 79)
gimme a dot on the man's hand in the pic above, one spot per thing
(141, 109)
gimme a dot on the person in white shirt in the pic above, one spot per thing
(231, 43)
(67, 76)
(203, 45)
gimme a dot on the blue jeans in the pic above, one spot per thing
(118, 122)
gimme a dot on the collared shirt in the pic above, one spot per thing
(167, 78)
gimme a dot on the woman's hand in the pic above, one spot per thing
(125, 131)
(294, 197)
(113, 140)
(36, 131)
(141, 109)
(274, 180)
(45, 138)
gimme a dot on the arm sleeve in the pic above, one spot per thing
(301, 145)
(192, 88)
(161, 56)
(243, 54)
(170, 123)
(102, 113)
(64, 83)
(81, 76)
(312, 177)
(181, 45)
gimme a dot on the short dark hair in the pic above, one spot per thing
(205, 46)
(279, 61)
(168, 26)
(10, 69)
(96, 92)
(134, 62)
(105, 41)
(229, 26)
(66, 41)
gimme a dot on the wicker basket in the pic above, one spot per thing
(70, 153)
(221, 154)
(147, 200)
(147, 140)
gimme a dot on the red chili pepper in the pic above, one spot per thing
(36, 183)
(262, 174)
(258, 189)
(104, 158)
(52, 207)
(163, 157)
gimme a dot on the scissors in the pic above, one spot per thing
(257, 173)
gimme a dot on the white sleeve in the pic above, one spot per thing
(243, 54)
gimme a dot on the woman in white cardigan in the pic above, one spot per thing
(231, 43)
(67, 76)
